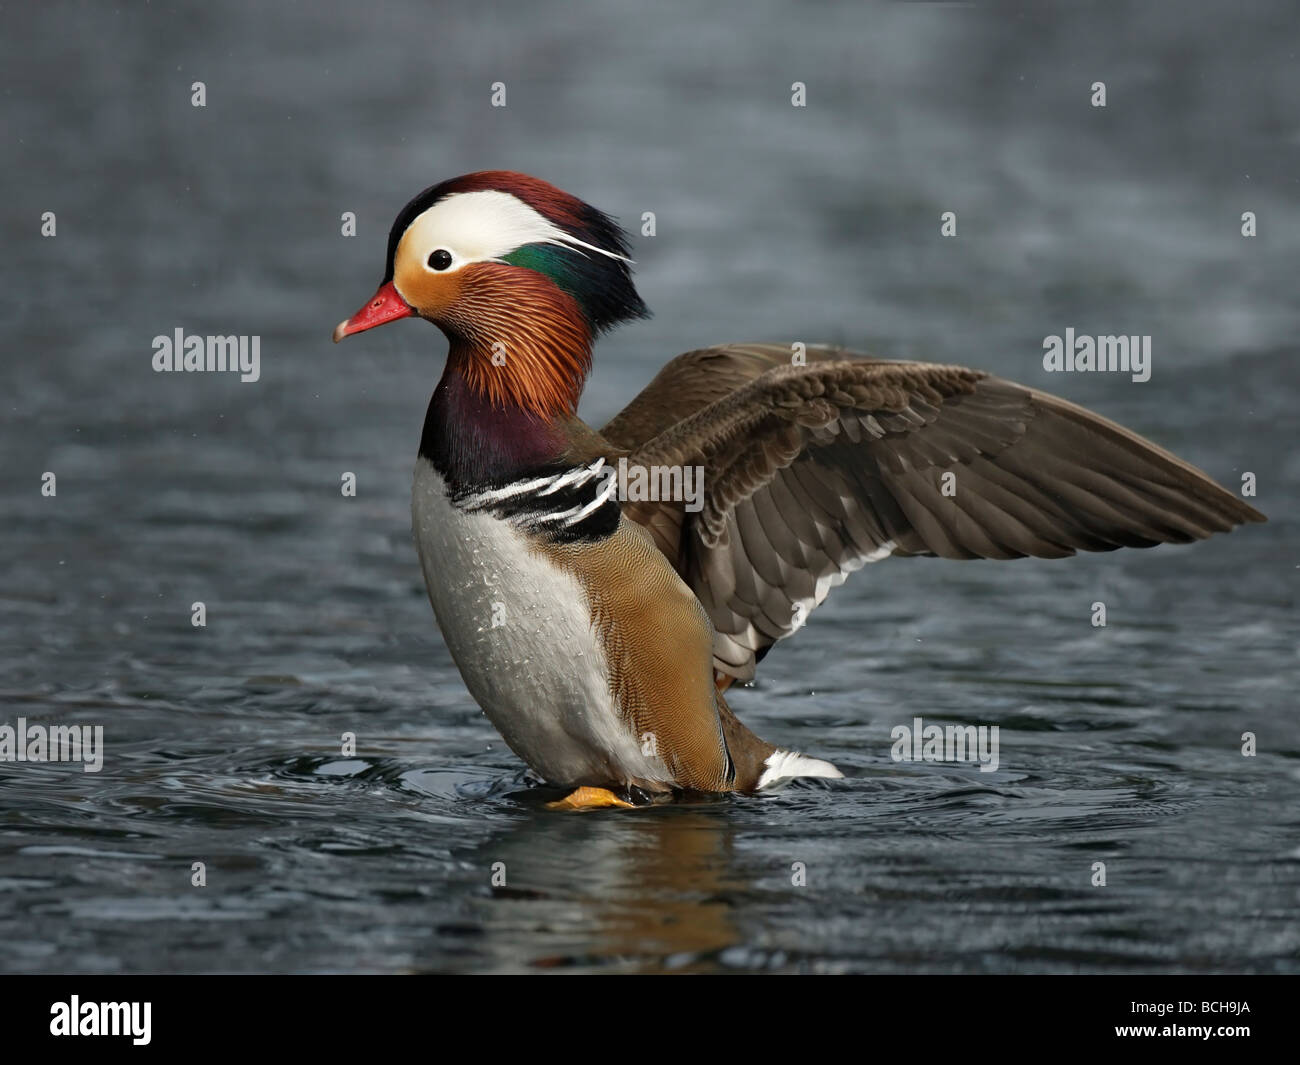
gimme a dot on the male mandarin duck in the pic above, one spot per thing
(599, 634)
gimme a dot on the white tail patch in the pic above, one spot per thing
(786, 765)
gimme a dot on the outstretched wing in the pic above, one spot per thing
(812, 471)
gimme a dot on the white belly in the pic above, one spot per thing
(519, 629)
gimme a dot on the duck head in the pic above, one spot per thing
(520, 277)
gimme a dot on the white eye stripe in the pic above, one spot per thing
(485, 226)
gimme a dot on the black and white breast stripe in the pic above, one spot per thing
(559, 503)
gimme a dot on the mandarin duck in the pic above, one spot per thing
(599, 629)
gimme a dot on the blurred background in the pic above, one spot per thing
(816, 223)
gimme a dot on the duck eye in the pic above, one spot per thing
(440, 259)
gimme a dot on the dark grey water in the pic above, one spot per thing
(1119, 745)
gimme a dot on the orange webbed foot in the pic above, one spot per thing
(589, 799)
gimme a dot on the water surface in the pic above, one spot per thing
(1119, 745)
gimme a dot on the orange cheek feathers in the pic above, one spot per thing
(432, 294)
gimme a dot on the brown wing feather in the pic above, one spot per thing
(695, 379)
(812, 471)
